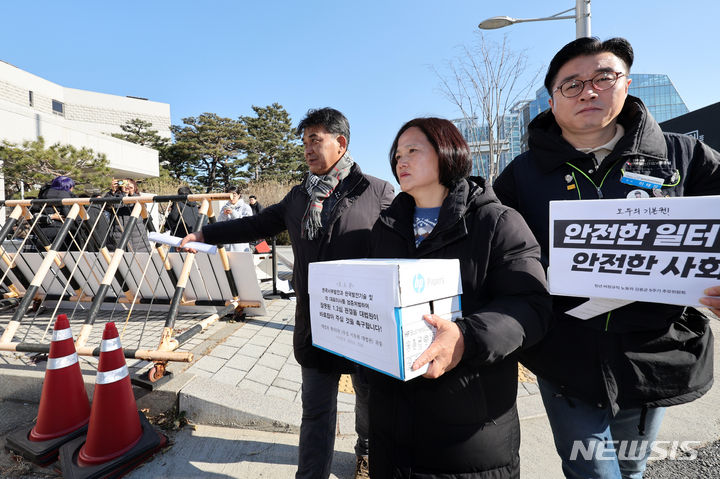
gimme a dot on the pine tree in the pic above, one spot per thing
(273, 148)
(34, 165)
(140, 132)
(208, 150)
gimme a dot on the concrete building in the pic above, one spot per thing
(31, 107)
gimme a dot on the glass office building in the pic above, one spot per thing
(655, 90)
(509, 141)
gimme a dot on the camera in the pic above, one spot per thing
(120, 182)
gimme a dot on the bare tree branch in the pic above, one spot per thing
(485, 82)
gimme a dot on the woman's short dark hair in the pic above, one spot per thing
(329, 118)
(454, 158)
(62, 183)
(585, 46)
(184, 190)
(232, 189)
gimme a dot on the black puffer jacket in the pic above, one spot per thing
(347, 218)
(643, 354)
(182, 218)
(53, 218)
(463, 424)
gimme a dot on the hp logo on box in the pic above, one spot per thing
(418, 283)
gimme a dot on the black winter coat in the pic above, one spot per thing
(182, 218)
(463, 424)
(49, 224)
(347, 217)
(642, 354)
(119, 219)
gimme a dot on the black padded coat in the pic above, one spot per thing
(642, 354)
(463, 424)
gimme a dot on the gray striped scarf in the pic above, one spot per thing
(319, 188)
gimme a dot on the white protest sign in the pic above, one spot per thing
(661, 250)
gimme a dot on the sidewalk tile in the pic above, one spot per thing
(252, 386)
(272, 361)
(242, 362)
(252, 350)
(287, 384)
(281, 393)
(262, 374)
(229, 376)
(209, 363)
(223, 351)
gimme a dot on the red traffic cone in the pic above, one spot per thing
(64, 407)
(119, 437)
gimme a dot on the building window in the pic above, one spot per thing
(31, 100)
(58, 107)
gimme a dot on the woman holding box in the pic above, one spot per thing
(460, 418)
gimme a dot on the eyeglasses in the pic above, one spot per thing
(602, 81)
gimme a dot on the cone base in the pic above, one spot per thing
(41, 453)
(150, 442)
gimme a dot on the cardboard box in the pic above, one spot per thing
(371, 310)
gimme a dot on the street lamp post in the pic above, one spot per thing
(582, 19)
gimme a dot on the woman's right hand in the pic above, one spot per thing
(197, 236)
(712, 299)
(446, 350)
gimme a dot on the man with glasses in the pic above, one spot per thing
(605, 381)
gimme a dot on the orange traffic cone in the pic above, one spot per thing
(64, 407)
(119, 436)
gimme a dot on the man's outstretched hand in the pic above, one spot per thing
(197, 236)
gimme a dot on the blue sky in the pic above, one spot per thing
(370, 59)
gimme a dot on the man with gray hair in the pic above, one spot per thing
(329, 216)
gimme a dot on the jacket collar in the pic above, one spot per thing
(643, 137)
(347, 185)
(464, 196)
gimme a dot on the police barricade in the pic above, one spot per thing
(88, 256)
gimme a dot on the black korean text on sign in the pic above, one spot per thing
(649, 235)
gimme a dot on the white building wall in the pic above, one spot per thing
(88, 120)
(107, 112)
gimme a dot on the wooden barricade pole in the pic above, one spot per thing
(144, 354)
(60, 262)
(6, 228)
(39, 276)
(225, 263)
(109, 275)
(167, 342)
